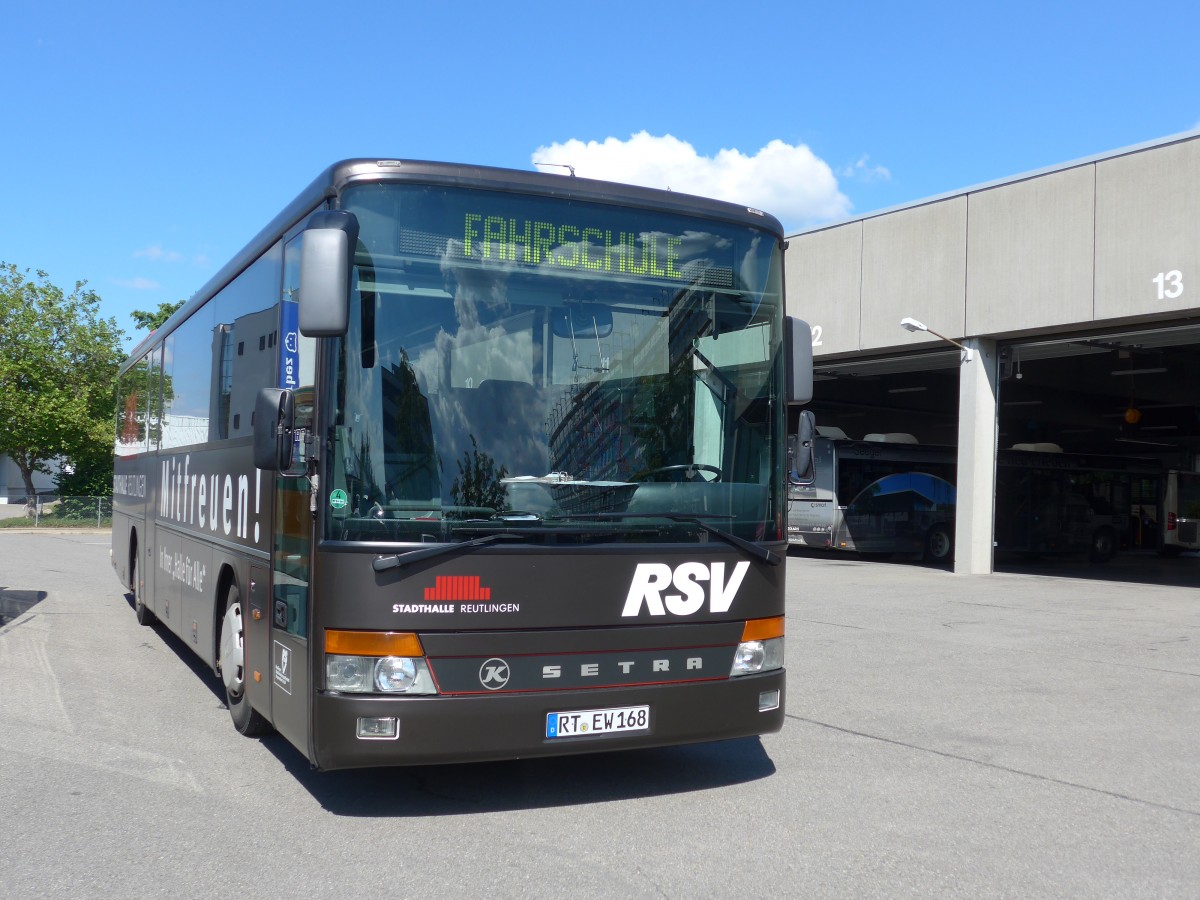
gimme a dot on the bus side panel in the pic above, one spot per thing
(168, 568)
(129, 515)
(256, 619)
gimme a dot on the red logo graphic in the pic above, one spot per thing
(457, 587)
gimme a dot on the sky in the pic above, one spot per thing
(147, 142)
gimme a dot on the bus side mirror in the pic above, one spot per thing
(326, 260)
(798, 360)
(274, 422)
(800, 449)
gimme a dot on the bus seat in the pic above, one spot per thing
(900, 437)
(1039, 447)
(832, 432)
(874, 436)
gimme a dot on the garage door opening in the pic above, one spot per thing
(1098, 452)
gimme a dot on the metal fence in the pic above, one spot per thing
(52, 510)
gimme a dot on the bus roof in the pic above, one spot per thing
(330, 183)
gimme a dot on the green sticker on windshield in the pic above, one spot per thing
(338, 499)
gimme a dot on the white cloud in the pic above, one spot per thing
(864, 171)
(139, 284)
(158, 254)
(790, 182)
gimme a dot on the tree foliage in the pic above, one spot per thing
(152, 321)
(57, 371)
(479, 483)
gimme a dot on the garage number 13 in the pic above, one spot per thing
(1170, 284)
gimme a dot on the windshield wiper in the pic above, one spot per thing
(383, 563)
(697, 519)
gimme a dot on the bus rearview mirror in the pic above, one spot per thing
(274, 424)
(798, 360)
(587, 320)
(326, 258)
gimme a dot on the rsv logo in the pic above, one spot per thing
(651, 581)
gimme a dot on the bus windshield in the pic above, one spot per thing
(561, 367)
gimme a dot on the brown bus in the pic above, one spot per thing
(454, 463)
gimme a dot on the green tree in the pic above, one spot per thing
(152, 321)
(479, 483)
(57, 371)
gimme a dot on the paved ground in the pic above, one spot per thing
(968, 736)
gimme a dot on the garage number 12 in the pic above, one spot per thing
(1170, 284)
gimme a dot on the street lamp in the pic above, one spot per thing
(908, 323)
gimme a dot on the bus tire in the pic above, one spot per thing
(140, 609)
(939, 544)
(1104, 545)
(231, 662)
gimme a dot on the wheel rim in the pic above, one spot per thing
(232, 658)
(939, 544)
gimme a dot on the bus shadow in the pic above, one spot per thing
(15, 603)
(469, 788)
(186, 655)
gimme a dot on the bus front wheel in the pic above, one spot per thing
(939, 544)
(232, 664)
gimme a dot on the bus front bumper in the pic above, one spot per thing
(476, 728)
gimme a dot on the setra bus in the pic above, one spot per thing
(454, 463)
(889, 494)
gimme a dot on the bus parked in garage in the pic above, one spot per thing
(889, 494)
(1180, 513)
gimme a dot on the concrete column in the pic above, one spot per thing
(973, 530)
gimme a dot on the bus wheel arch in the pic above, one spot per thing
(144, 614)
(231, 660)
(939, 543)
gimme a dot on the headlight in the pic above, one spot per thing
(348, 673)
(752, 657)
(387, 675)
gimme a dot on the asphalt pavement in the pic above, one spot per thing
(959, 736)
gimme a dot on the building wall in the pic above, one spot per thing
(1111, 239)
(12, 485)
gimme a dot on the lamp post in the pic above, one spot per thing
(908, 323)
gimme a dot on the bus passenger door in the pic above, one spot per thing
(291, 549)
(289, 610)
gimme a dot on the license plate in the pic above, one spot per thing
(584, 722)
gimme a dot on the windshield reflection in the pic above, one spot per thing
(475, 388)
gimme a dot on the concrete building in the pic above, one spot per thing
(1077, 288)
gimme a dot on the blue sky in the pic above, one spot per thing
(147, 142)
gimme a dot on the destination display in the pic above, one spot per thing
(572, 246)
